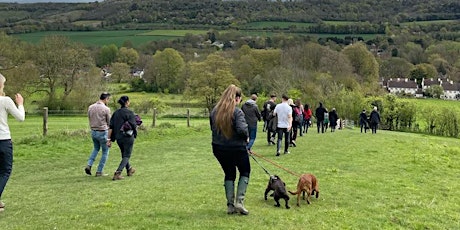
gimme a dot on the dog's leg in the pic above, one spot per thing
(298, 199)
(287, 202)
(266, 192)
(277, 200)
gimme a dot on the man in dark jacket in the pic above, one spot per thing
(252, 116)
(269, 106)
(375, 120)
(319, 114)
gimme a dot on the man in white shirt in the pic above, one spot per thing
(284, 113)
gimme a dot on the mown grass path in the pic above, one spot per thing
(386, 181)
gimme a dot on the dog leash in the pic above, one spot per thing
(275, 164)
(266, 171)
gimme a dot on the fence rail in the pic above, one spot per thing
(179, 113)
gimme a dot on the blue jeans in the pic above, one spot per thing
(252, 136)
(99, 142)
(6, 163)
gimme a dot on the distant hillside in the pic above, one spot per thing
(45, 1)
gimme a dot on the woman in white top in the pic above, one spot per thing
(7, 106)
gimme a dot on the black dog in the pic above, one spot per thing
(276, 184)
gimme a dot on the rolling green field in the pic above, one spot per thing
(140, 37)
(390, 180)
(100, 38)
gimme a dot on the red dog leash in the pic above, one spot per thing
(274, 163)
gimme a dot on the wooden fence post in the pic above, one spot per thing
(154, 117)
(45, 121)
(188, 117)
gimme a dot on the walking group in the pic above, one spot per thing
(234, 131)
(120, 127)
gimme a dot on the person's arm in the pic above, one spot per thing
(17, 112)
(241, 124)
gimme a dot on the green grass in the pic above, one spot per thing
(386, 181)
(431, 22)
(173, 33)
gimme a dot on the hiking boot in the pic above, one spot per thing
(98, 174)
(117, 176)
(88, 170)
(277, 154)
(294, 144)
(131, 171)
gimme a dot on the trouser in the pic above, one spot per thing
(99, 143)
(231, 160)
(126, 147)
(320, 124)
(374, 127)
(280, 132)
(252, 136)
(6, 163)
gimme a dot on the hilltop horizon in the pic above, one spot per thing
(50, 1)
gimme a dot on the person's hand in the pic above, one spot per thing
(19, 99)
(109, 143)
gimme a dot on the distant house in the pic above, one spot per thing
(427, 83)
(451, 90)
(402, 85)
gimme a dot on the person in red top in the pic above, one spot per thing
(306, 117)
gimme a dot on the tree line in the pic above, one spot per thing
(372, 15)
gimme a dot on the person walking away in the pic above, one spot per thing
(99, 118)
(300, 119)
(333, 117)
(252, 116)
(296, 121)
(7, 106)
(307, 117)
(375, 120)
(319, 114)
(284, 113)
(363, 121)
(326, 120)
(123, 130)
(229, 140)
(268, 108)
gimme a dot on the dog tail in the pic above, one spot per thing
(294, 193)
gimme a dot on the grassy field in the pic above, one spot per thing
(98, 38)
(386, 181)
(140, 37)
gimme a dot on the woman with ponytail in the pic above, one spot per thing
(229, 140)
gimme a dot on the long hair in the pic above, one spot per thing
(2, 84)
(225, 109)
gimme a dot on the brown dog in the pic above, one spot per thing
(307, 184)
(276, 184)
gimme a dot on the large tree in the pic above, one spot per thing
(60, 64)
(208, 79)
(364, 63)
(166, 71)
